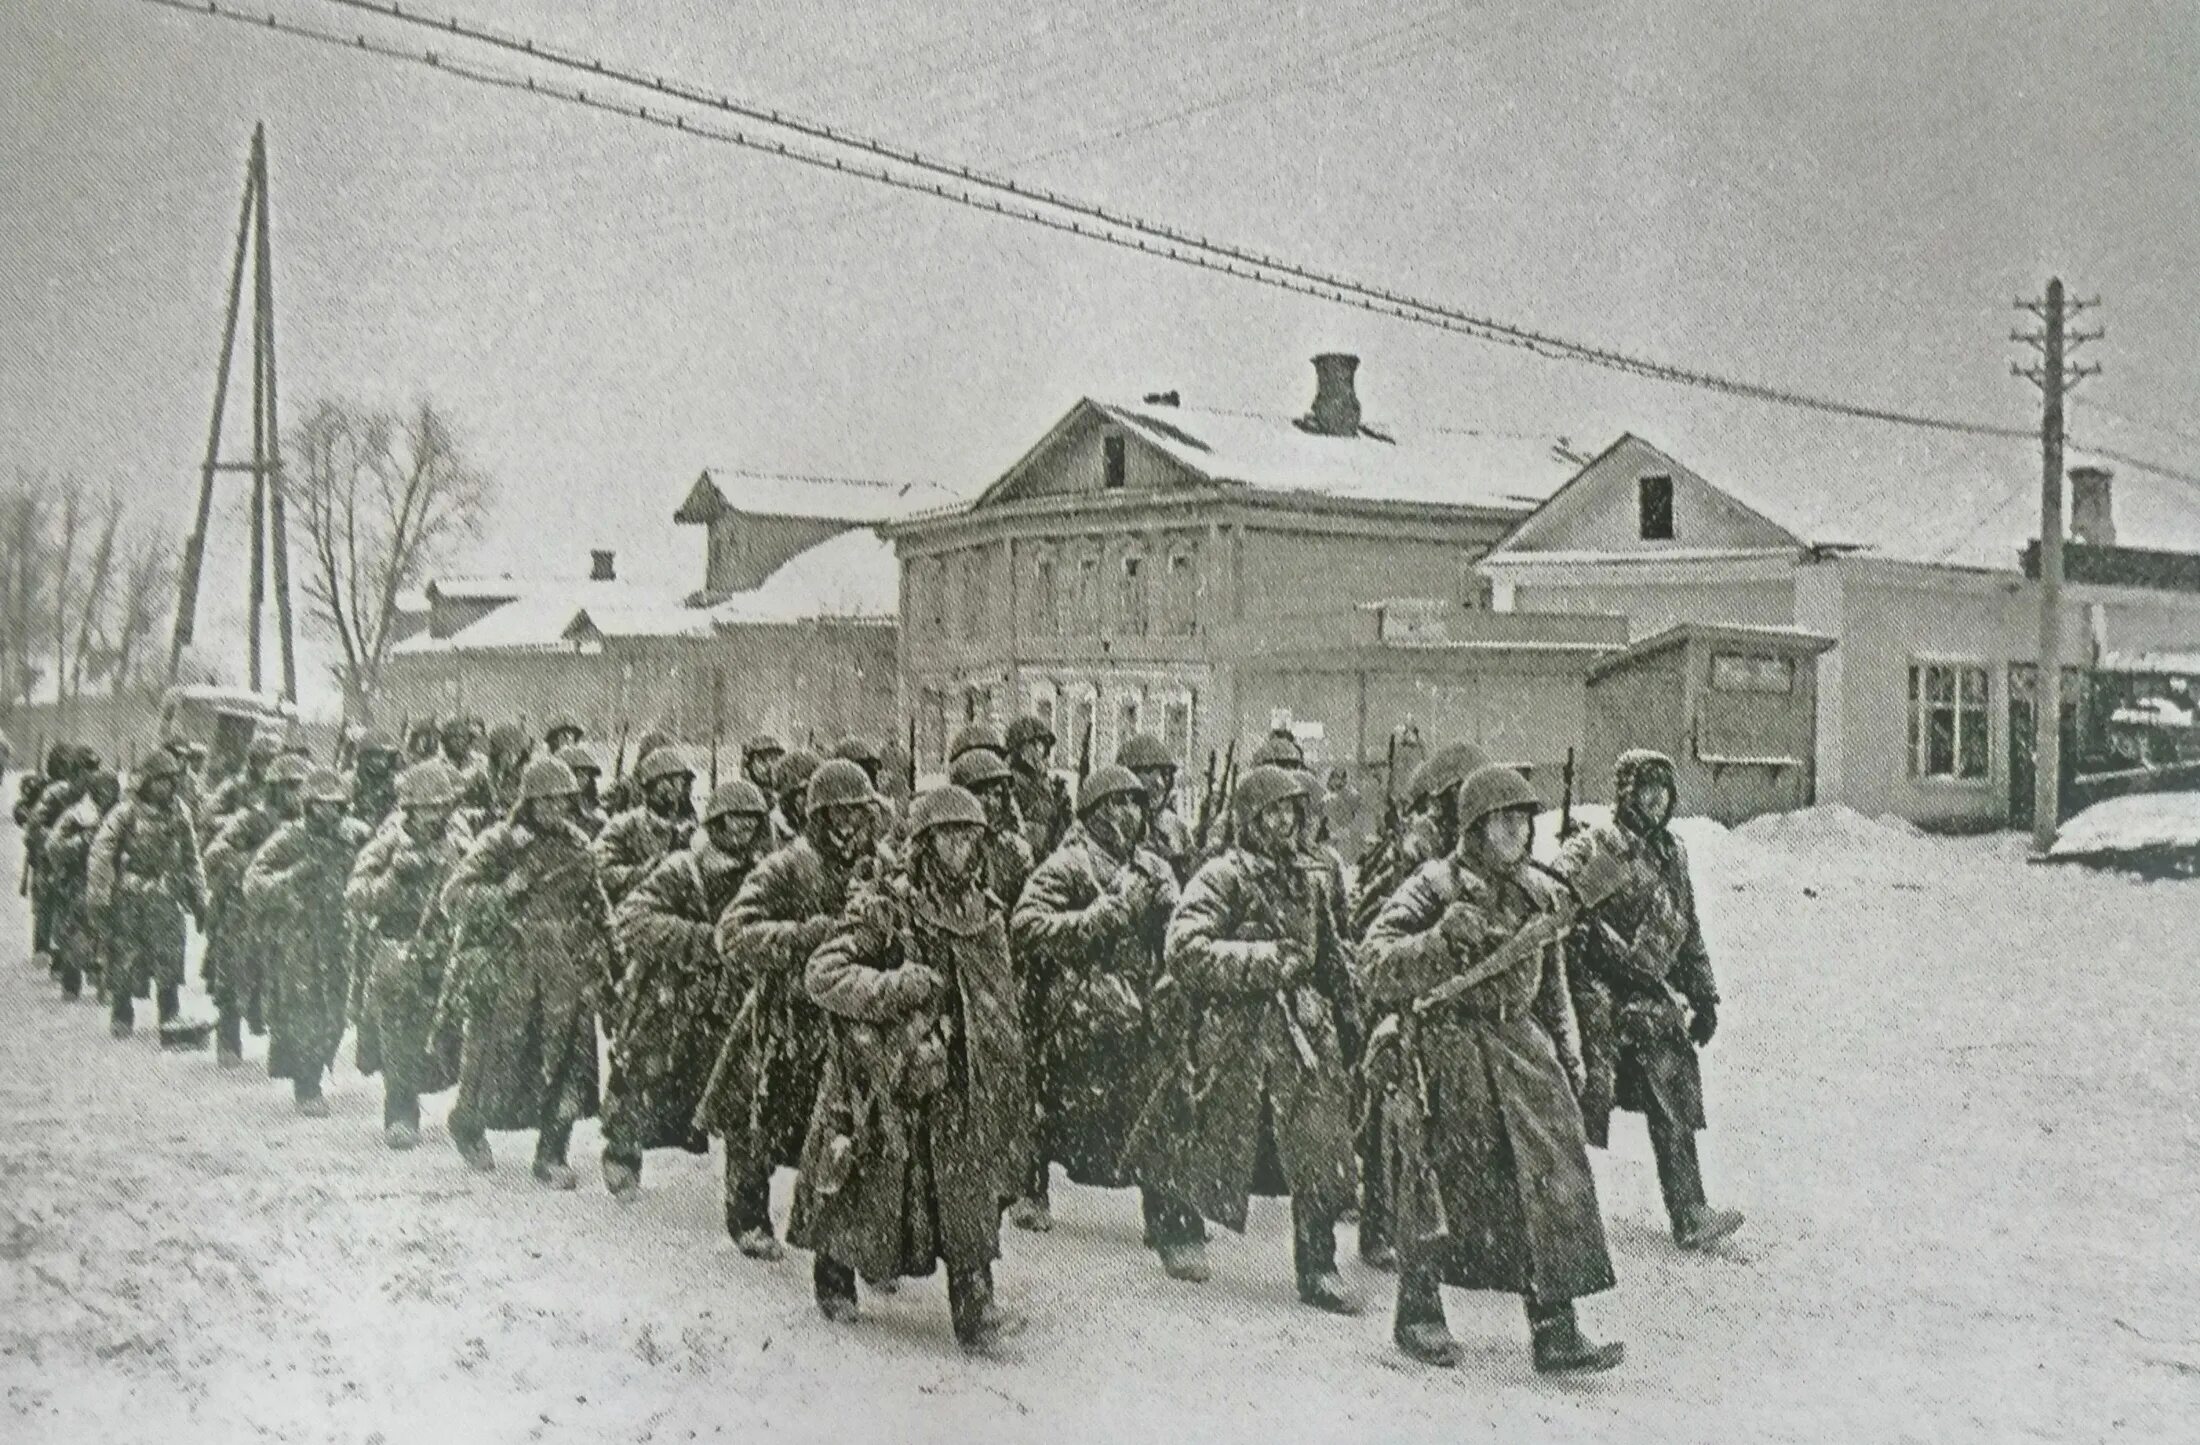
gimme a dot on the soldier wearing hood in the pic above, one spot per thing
(142, 881)
(67, 862)
(1254, 1098)
(234, 965)
(921, 1122)
(1088, 933)
(401, 945)
(294, 887)
(535, 957)
(764, 1085)
(662, 820)
(676, 1001)
(1644, 990)
(1477, 1077)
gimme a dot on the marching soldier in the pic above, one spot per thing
(294, 888)
(190, 763)
(761, 1092)
(675, 1003)
(403, 941)
(422, 743)
(1479, 1074)
(534, 953)
(69, 771)
(664, 819)
(760, 757)
(67, 861)
(1040, 797)
(1003, 855)
(1260, 1103)
(143, 879)
(864, 753)
(921, 1121)
(1088, 933)
(789, 791)
(242, 788)
(1642, 957)
(234, 966)
(973, 735)
(588, 802)
(1166, 832)
(471, 769)
(565, 731)
(374, 777)
(508, 750)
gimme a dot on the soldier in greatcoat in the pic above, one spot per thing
(1041, 799)
(69, 773)
(1254, 1098)
(67, 861)
(508, 751)
(1090, 929)
(1644, 990)
(789, 793)
(402, 943)
(534, 960)
(760, 757)
(564, 731)
(294, 890)
(1167, 834)
(376, 761)
(676, 1001)
(662, 820)
(241, 789)
(765, 1082)
(234, 965)
(588, 802)
(466, 761)
(921, 1122)
(1477, 1076)
(143, 881)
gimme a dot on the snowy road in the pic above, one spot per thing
(1954, 1093)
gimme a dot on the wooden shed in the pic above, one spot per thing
(1736, 708)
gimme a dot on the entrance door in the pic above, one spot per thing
(2024, 688)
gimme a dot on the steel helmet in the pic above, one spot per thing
(793, 770)
(977, 767)
(666, 762)
(326, 785)
(1265, 786)
(506, 737)
(160, 764)
(374, 740)
(430, 784)
(579, 759)
(564, 722)
(1112, 781)
(761, 745)
(650, 742)
(263, 747)
(547, 778)
(288, 769)
(1494, 788)
(857, 750)
(738, 796)
(1638, 765)
(838, 781)
(1444, 769)
(1144, 750)
(1279, 750)
(979, 734)
(1028, 729)
(945, 806)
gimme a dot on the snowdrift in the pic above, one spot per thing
(2149, 831)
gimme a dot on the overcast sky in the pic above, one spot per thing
(1835, 196)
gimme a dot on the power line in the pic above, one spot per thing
(1328, 285)
(2154, 424)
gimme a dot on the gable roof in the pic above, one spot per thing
(852, 576)
(1272, 452)
(812, 498)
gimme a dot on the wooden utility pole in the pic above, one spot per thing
(2055, 378)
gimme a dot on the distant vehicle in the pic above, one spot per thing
(223, 720)
(2154, 731)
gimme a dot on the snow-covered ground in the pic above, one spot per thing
(1955, 1094)
(2139, 823)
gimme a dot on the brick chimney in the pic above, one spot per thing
(602, 565)
(1336, 409)
(2092, 515)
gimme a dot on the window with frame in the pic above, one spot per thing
(1654, 508)
(1747, 672)
(1086, 602)
(1126, 717)
(933, 587)
(1183, 591)
(1114, 462)
(1176, 727)
(1949, 736)
(973, 593)
(1046, 605)
(1131, 595)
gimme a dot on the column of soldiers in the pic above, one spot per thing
(924, 1008)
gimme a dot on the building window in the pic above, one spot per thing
(1112, 461)
(1183, 592)
(1948, 732)
(1086, 603)
(1131, 596)
(1068, 746)
(1176, 728)
(935, 593)
(973, 594)
(1654, 508)
(1741, 672)
(1046, 607)
(1126, 718)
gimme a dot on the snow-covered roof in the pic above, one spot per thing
(480, 589)
(540, 615)
(827, 498)
(853, 576)
(1460, 468)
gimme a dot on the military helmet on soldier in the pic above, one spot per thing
(978, 767)
(547, 778)
(160, 764)
(1025, 730)
(838, 782)
(429, 784)
(375, 740)
(763, 745)
(1266, 785)
(857, 750)
(1279, 749)
(288, 769)
(263, 747)
(326, 785)
(979, 734)
(1444, 769)
(738, 796)
(793, 770)
(579, 759)
(1494, 788)
(1144, 750)
(665, 762)
(945, 806)
(1112, 781)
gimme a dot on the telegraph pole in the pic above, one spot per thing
(2054, 377)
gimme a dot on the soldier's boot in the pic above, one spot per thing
(1560, 1347)
(1314, 1257)
(1696, 1225)
(1178, 1235)
(72, 982)
(171, 1004)
(228, 1038)
(42, 960)
(307, 1099)
(551, 1169)
(1377, 1249)
(122, 1015)
(622, 1174)
(1419, 1326)
(980, 1323)
(1035, 1211)
(400, 1117)
(749, 1211)
(473, 1147)
(834, 1284)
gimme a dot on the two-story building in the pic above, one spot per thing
(1205, 575)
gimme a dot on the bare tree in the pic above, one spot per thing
(91, 612)
(25, 574)
(379, 502)
(148, 577)
(72, 522)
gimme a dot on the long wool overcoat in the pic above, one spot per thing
(1483, 1087)
(233, 964)
(294, 890)
(401, 944)
(1093, 923)
(924, 1081)
(144, 880)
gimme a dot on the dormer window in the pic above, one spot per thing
(1654, 508)
(1112, 465)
